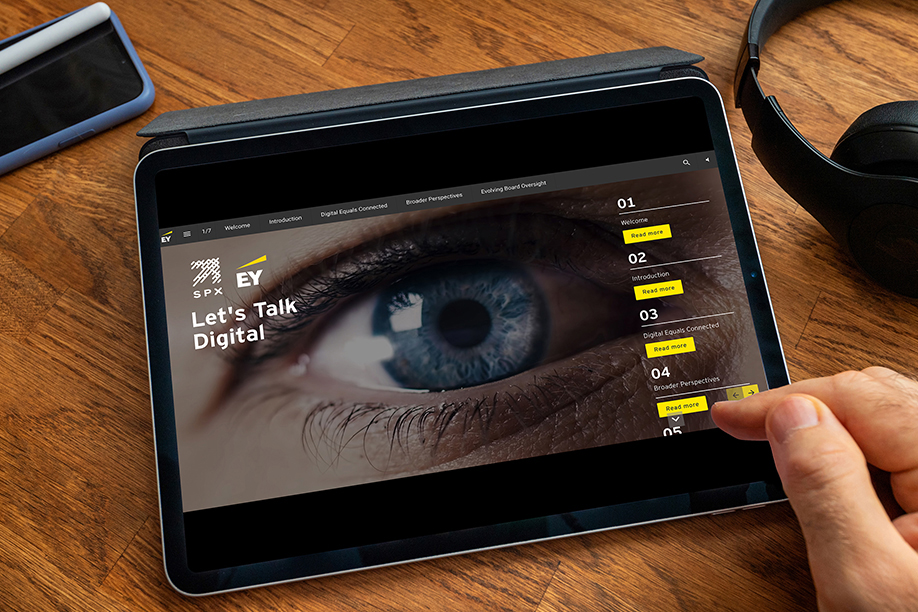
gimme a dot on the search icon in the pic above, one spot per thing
(685, 162)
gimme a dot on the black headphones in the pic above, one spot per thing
(866, 193)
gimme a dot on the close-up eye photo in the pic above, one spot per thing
(454, 337)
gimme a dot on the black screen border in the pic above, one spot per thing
(748, 478)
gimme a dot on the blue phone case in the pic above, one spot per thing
(89, 127)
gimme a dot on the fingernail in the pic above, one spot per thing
(793, 413)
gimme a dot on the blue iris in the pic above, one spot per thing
(460, 325)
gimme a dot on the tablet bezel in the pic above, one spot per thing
(758, 485)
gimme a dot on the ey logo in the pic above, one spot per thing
(250, 278)
(165, 238)
(207, 269)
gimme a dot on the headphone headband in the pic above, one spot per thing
(874, 217)
(766, 18)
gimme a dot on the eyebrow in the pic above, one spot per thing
(373, 228)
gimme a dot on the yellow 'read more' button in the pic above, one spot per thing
(670, 347)
(646, 234)
(655, 290)
(750, 390)
(683, 406)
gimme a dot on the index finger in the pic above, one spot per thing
(878, 406)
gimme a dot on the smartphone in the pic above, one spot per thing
(65, 81)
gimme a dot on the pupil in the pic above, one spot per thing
(464, 323)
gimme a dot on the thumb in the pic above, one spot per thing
(826, 479)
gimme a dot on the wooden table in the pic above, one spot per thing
(79, 527)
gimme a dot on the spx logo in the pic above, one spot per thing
(208, 269)
(250, 278)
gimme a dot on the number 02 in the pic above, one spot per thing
(637, 258)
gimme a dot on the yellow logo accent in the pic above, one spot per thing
(261, 259)
(167, 233)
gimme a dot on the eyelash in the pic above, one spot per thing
(399, 421)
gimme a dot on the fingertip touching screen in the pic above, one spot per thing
(445, 322)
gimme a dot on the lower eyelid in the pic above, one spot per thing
(417, 437)
(412, 438)
(601, 394)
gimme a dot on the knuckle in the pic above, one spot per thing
(879, 372)
(845, 381)
(885, 389)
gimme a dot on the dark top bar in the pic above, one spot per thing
(364, 170)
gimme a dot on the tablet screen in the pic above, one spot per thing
(435, 331)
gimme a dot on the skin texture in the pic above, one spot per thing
(824, 433)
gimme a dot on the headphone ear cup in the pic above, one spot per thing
(883, 140)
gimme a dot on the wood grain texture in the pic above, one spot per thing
(79, 528)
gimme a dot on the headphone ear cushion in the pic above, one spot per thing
(883, 140)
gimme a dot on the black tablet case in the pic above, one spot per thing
(304, 111)
(310, 110)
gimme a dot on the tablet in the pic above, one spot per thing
(442, 331)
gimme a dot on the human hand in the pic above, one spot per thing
(823, 432)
